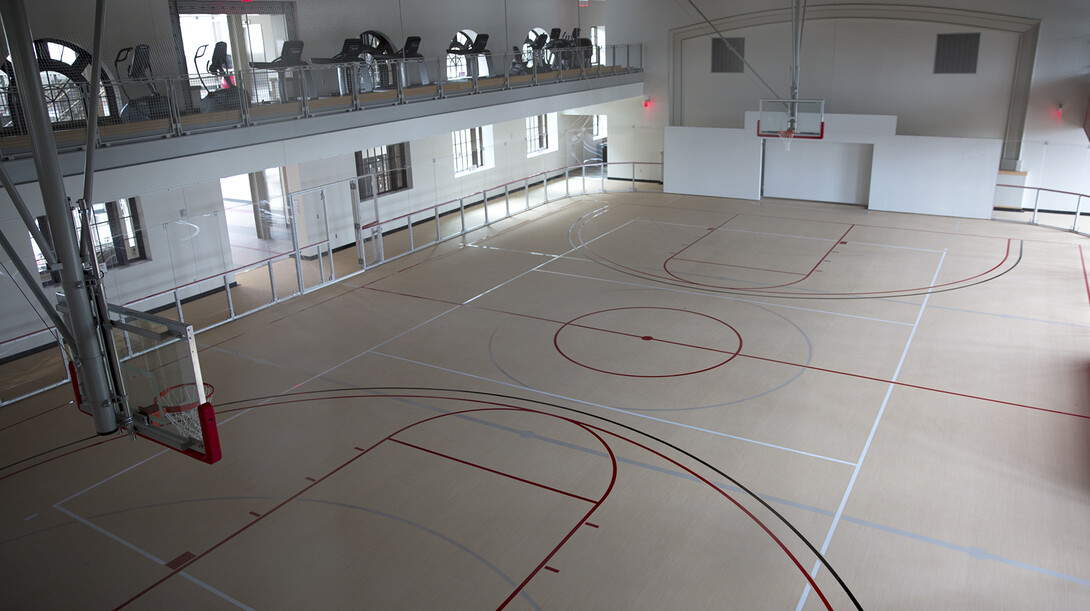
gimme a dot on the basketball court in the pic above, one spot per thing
(637, 400)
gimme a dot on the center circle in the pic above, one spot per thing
(647, 342)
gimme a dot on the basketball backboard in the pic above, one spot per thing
(166, 394)
(792, 119)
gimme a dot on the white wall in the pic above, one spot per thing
(943, 176)
(867, 163)
(893, 77)
(713, 162)
(1059, 75)
(813, 170)
(186, 240)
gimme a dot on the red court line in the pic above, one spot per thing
(666, 268)
(915, 386)
(578, 326)
(549, 568)
(579, 524)
(710, 231)
(760, 269)
(360, 454)
(497, 406)
(648, 275)
(1085, 277)
(790, 364)
(494, 471)
(180, 560)
(730, 498)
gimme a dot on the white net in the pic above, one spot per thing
(178, 405)
(786, 137)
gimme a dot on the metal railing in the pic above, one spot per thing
(178, 106)
(452, 219)
(1055, 208)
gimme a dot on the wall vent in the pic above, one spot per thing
(723, 59)
(957, 53)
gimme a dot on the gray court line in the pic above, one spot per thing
(870, 437)
(434, 533)
(617, 409)
(660, 287)
(108, 534)
(975, 552)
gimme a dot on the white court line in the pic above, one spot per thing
(895, 247)
(780, 235)
(147, 555)
(617, 409)
(121, 472)
(544, 263)
(870, 438)
(670, 289)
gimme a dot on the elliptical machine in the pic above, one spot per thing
(144, 108)
(228, 95)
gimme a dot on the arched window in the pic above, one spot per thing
(457, 67)
(65, 72)
(535, 40)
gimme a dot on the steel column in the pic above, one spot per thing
(95, 384)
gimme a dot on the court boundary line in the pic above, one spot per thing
(870, 437)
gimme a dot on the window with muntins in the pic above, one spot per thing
(116, 234)
(469, 149)
(389, 164)
(537, 134)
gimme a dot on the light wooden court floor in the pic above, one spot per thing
(611, 406)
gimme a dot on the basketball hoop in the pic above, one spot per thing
(786, 137)
(178, 404)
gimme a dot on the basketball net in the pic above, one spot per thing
(785, 137)
(178, 405)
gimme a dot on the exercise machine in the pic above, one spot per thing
(144, 108)
(227, 95)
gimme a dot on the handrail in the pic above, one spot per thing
(261, 96)
(326, 242)
(1037, 205)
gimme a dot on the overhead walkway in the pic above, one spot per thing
(278, 105)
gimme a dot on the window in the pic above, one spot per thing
(957, 53)
(389, 164)
(724, 59)
(541, 134)
(115, 232)
(537, 134)
(598, 126)
(471, 151)
(598, 39)
(457, 66)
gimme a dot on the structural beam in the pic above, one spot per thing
(90, 364)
